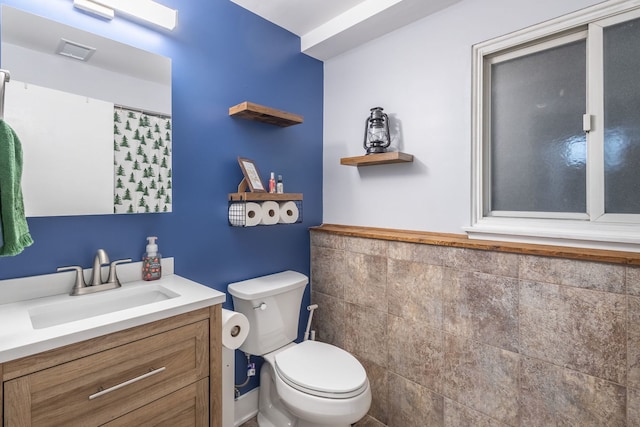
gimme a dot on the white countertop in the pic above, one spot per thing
(19, 338)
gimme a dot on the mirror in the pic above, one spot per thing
(95, 132)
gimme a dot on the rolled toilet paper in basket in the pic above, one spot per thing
(246, 214)
(270, 213)
(289, 212)
(235, 328)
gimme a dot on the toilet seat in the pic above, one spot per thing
(321, 369)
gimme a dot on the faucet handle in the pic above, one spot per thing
(80, 283)
(113, 275)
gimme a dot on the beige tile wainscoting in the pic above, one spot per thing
(455, 332)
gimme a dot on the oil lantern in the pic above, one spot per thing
(376, 132)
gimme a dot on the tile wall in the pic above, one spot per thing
(463, 337)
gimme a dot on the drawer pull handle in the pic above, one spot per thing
(126, 383)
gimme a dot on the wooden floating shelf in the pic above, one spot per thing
(263, 197)
(377, 159)
(250, 111)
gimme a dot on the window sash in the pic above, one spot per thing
(544, 45)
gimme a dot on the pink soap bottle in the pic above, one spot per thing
(272, 183)
(151, 261)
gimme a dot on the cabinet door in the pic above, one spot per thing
(187, 407)
(99, 388)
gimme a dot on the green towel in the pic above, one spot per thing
(15, 230)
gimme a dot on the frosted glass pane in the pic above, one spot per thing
(538, 147)
(622, 117)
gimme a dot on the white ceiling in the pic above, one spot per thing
(298, 16)
(328, 28)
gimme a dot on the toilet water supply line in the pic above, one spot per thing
(251, 367)
(251, 371)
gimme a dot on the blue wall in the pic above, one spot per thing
(222, 55)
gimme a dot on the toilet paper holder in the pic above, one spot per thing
(237, 208)
(235, 330)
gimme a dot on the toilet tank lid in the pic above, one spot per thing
(265, 286)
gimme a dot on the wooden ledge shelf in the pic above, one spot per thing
(462, 241)
(377, 159)
(250, 111)
(263, 197)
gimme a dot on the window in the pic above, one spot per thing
(556, 138)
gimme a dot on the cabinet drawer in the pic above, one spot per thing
(187, 407)
(97, 389)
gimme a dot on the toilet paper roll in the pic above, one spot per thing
(270, 213)
(245, 214)
(289, 213)
(235, 328)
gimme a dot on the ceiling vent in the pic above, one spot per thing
(75, 50)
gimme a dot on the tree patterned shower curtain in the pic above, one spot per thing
(142, 162)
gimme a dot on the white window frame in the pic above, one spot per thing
(595, 229)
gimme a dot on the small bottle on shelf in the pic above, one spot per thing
(272, 183)
(279, 185)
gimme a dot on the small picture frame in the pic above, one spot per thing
(251, 175)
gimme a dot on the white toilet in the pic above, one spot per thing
(310, 384)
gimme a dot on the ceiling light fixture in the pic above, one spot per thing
(146, 10)
(95, 8)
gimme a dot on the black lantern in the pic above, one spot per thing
(376, 132)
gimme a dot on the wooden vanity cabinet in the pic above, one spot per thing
(165, 373)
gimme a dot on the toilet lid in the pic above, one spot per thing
(322, 370)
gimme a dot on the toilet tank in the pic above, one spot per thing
(272, 306)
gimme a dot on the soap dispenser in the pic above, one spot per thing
(151, 261)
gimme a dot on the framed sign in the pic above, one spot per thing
(251, 175)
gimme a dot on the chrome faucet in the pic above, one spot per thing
(96, 285)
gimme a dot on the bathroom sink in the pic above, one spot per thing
(73, 308)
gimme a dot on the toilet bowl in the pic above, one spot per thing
(310, 384)
(318, 383)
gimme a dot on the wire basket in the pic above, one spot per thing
(249, 214)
